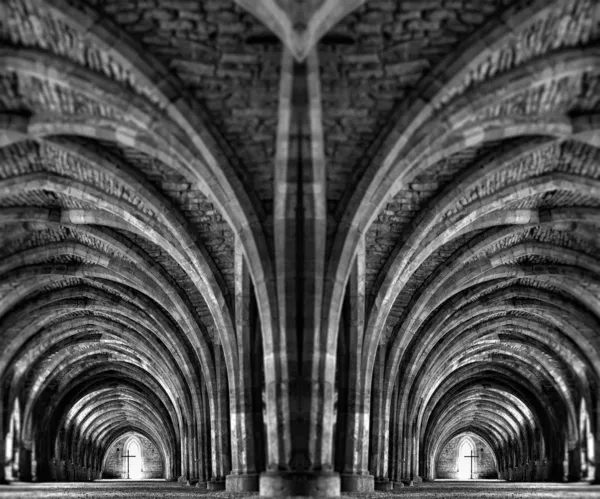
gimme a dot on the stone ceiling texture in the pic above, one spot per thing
(150, 151)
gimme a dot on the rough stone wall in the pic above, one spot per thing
(227, 59)
(152, 464)
(448, 461)
(372, 60)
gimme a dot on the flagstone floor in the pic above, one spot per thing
(128, 489)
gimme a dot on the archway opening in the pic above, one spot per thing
(133, 461)
(466, 458)
(134, 456)
(588, 461)
(12, 444)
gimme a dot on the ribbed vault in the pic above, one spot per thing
(313, 240)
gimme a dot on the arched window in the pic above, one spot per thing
(12, 444)
(466, 460)
(133, 459)
(586, 445)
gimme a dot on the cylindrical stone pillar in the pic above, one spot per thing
(356, 476)
(299, 358)
(2, 437)
(380, 424)
(221, 453)
(243, 477)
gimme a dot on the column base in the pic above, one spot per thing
(383, 484)
(241, 483)
(284, 483)
(215, 485)
(357, 483)
(201, 485)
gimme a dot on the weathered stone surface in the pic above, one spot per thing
(293, 275)
(204, 44)
(425, 490)
(387, 47)
(29, 24)
(569, 24)
(451, 460)
(28, 93)
(392, 226)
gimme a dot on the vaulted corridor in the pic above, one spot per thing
(300, 247)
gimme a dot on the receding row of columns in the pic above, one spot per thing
(296, 414)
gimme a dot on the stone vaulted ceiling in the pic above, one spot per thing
(446, 154)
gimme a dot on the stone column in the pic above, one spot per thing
(596, 479)
(394, 438)
(574, 462)
(243, 477)
(221, 453)
(202, 433)
(300, 460)
(402, 476)
(258, 390)
(206, 441)
(355, 476)
(193, 461)
(184, 451)
(279, 350)
(398, 465)
(380, 425)
(2, 439)
(25, 461)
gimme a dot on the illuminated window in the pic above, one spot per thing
(132, 460)
(12, 445)
(466, 460)
(588, 469)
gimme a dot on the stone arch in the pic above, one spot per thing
(464, 433)
(247, 230)
(124, 438)
(374, 186)
(185, 126)
(456, 208)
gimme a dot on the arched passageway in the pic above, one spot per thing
(134, 456)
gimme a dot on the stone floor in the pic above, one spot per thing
(161, 489)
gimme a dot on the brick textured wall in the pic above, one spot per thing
(152, 464)
(483, 466)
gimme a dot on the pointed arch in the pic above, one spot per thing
(133, 448)
(466, 466)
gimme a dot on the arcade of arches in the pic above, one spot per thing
(300, 246)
